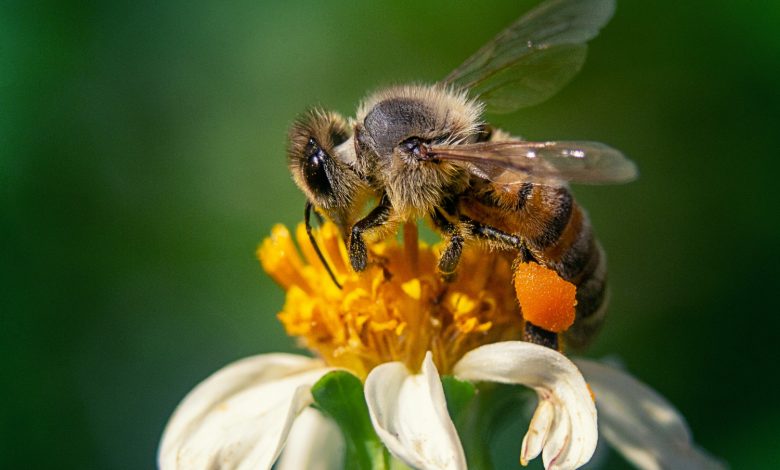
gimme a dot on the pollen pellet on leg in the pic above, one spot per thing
(546, 300)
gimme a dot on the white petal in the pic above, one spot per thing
(640, 423)
(409, 413)
(534, 440)
(240, 416)
(573, 432)
(315, 443)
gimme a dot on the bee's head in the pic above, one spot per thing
(395, 130)
(326, 178)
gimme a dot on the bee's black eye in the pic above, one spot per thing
(314, 169)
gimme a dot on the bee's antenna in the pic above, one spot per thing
(307, 219)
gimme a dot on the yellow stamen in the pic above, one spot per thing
(412, 288)
(398, 308)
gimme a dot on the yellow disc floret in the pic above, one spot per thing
(398, 308)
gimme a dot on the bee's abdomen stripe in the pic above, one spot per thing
(561, 209)
(580, 256)
(591, 282)
(590, 296)
(592, 300)
(585, 329)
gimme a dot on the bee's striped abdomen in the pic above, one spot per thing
(567, 245)
(557, 233)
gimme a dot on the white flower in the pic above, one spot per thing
(399, 326)
(241, 416)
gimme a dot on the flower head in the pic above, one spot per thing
(398, 309)
(399, 327)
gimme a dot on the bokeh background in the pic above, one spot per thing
(142, 160)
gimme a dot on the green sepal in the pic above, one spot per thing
(339, 395)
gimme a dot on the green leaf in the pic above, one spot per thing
(478, 413)
(463, 405)
(459, 394)
(339, 395)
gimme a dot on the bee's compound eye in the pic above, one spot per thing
(314, 169)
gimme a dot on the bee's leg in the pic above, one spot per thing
(507, 240)
(451, 254)
(307, 218)
(358, 254)
(457, 233)
(319, 218)
(531, 333)
(540, 336)
(504, 239)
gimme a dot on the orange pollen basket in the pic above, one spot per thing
(547, 300)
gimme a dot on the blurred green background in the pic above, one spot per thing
(142, 160)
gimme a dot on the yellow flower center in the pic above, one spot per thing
(398, 308)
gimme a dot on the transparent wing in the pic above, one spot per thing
(535, 56)
(510, 162)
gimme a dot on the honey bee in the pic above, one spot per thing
(424, 151)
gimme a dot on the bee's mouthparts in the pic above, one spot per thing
(424, 153)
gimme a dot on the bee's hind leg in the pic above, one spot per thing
(537, 335)
(451, 256)
(504, 239)
(457, 233)
(531, 333)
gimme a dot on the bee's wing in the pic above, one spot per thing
(535, 56)
(509, 162)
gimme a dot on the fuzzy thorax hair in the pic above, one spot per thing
(433, 115)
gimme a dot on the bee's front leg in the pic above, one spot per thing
(450, 257)
(358, 253)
